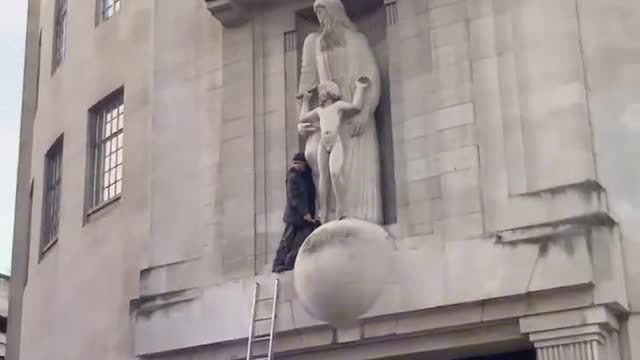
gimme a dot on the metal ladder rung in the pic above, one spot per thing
(261, 338)
(264, 337)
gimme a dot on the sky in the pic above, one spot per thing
(12, 33)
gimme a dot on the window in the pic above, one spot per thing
(106, 147)
(108, 8)
(59, 33)
(52, 193)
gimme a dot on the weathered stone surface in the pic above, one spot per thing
(341, 270)
(514, 148)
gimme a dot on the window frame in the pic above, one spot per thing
(60, 30)
(97, 142)
(51, 195)
(102, 8)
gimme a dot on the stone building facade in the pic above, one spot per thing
(508, 134)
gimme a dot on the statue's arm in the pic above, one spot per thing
(309, 67)
(358, 98)
(307, 121)
(355, 107)
(309, 117)
(371, 71)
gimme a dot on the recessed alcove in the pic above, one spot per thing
(371, 18)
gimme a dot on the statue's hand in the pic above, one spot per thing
(305, 128)
(357, 127)
(363, 81)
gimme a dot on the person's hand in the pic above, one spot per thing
(308, 218)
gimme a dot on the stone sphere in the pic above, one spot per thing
(341, 270)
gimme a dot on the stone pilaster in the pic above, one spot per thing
(583, 334)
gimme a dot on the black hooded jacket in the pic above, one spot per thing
(301, 197)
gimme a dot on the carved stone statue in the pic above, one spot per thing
(341, 54)
(330, 158)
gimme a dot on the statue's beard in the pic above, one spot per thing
(332, 35)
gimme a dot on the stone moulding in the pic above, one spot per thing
(166, 285)
(576, 334)
(489, 321)
(147, 305)
(229, 12)
(593, 211)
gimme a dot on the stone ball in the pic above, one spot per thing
(341, 270)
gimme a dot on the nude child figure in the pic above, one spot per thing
(330, 114)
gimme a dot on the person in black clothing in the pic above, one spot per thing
(299, 215)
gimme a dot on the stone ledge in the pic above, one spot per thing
(569, 210)
(229, 12)
(296, 338)
(562, 227)
(169, 278)
(552, 322)
(147, 305)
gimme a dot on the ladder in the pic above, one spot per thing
(253, 339)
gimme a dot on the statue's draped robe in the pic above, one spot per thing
(344, 65)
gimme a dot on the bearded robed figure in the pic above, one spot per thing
(340, 53)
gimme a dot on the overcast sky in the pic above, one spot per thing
(12, 32)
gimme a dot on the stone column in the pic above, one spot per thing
(583, 334)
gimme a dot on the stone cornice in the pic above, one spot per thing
(229, 12)
(233, 13)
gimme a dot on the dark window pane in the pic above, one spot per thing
(109, 8)
(52, 195)
(108, 125)
(59, 33)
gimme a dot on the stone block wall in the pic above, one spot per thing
(434, 122)
(501, 213)
(91, 272)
